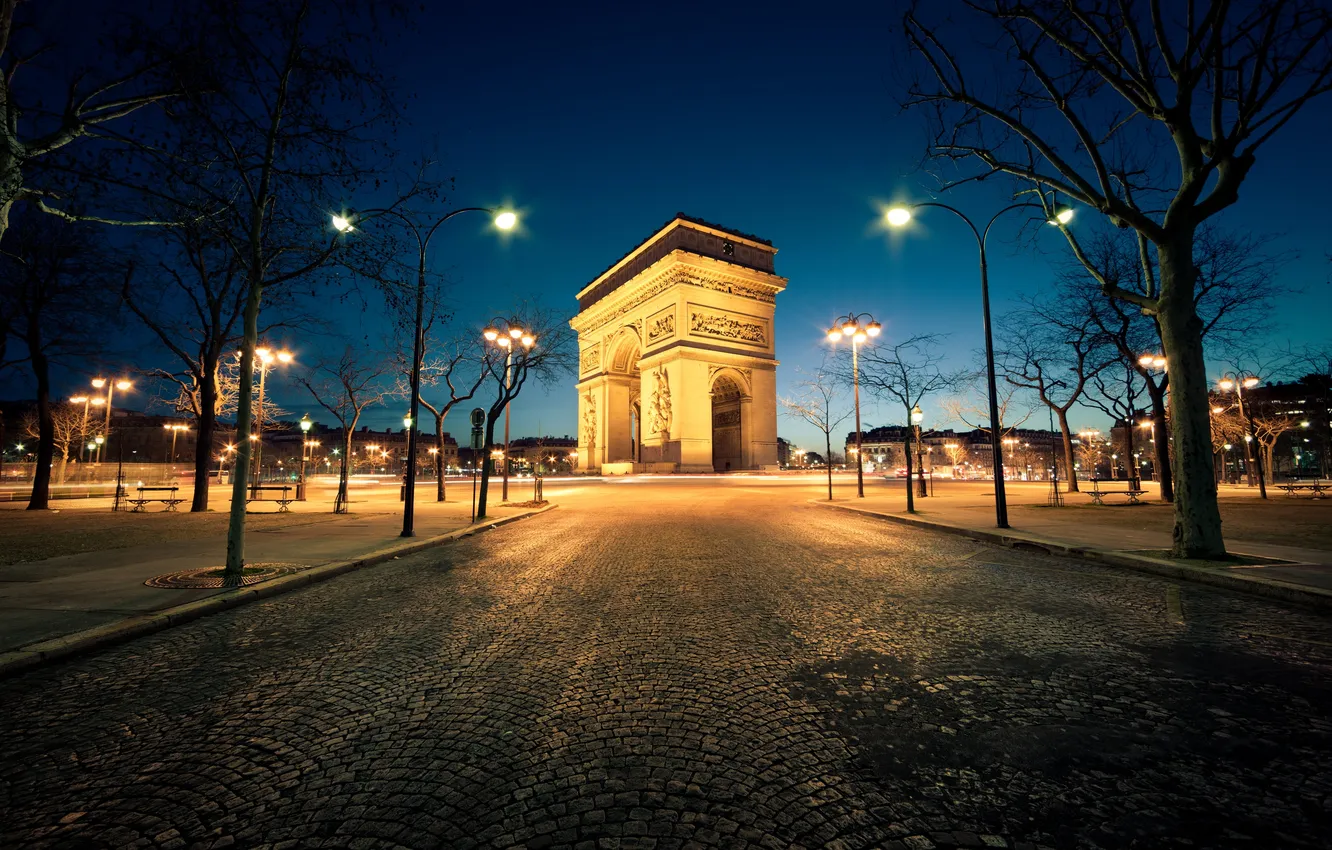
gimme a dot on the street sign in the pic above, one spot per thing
(478, 418)
(477, 441)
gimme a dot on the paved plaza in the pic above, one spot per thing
(685, 664)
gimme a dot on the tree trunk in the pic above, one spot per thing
(1072, 486)
(203, 446)
(41, 475)
(827, 438)
(234, 571)
(439, 458)
(1164, 475)
(341, 501)
(1197, 516)
(485, 467)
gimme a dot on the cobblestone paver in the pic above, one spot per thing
(719, 667)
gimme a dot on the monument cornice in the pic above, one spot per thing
(681, 268)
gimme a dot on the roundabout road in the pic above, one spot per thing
(692, 665)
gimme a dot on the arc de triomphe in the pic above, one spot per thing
(676, 362)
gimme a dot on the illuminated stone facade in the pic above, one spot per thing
(676, 361)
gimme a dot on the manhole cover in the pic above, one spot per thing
(211, 577)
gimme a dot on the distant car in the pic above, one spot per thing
(900, 472)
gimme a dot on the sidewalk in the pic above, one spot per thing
(1134, 536)
(42, 600)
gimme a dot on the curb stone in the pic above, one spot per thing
(100, 637)
(1271, 588)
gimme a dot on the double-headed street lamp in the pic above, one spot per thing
(175, 430)
(265, 358)
(898, 217)
(849, 326)
(1238, 383)
(506, 337)
(111, 386)
(504, 220)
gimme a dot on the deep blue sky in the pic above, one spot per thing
(599, 124)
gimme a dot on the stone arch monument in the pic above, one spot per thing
(677, 371)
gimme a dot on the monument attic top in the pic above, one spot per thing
(686, 233)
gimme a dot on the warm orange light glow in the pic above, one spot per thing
(515, 332)
(1226, 384)
(490, 334)
(834, 335)
(78, 399)
(1250, 383)
(99, 382)
(123, 385)
(898, 216)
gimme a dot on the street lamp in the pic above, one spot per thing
(111, 386)
(175, 430)
(305, 425)
(850, 326)
(899, 217)
(506, 337)
(917, 417)
(504, 220)
(1239, 382)
(264, 359)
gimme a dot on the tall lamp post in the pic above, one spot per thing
(898, 217)
(111, 387)
(1240, 382)
(504, 220)
(849, 326)
(84, 400)
(175, 432)
(265, 358)
(305, 424)
(917, 417)
(505, 336)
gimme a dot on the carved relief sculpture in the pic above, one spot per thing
(725, 327)
(660, 423)
(590, 426)
(590, 358)
(661, 327)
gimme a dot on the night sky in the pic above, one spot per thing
(599, 124)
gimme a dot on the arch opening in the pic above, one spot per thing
(727, 446)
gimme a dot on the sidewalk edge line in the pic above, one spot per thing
(1271, 588)
(101, 637)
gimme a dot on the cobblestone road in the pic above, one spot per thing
(723, 667)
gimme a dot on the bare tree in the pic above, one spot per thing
(1234, 289)
(95, 109)
(296, 121)
(191, 300)
(1093, 91)
(451, 369)
(55, 285)
(1050, 349)
(346, 387)
(69, 431)
(905, 374)
(553, 356)
(814, 402)
(1115, 393)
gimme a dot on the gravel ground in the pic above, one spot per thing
(699, 667)
(38, 535)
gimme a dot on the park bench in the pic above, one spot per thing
(170, 499)
(1099, 490)
(1315, 487)
(283, 495)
